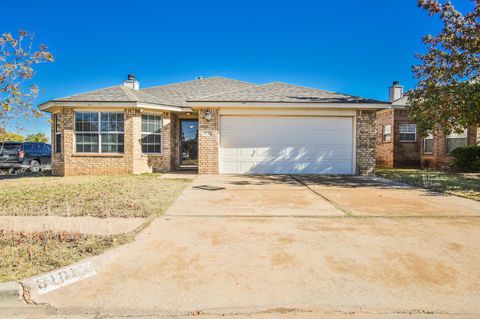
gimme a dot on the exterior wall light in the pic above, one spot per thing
(208, 116)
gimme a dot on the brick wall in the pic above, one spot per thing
(131, 161)
(148, 163)
(365, 139)
(384, 150)
(208, 141)
(405, 154)
(440, 159)
(395, 153)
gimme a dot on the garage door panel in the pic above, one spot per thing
(327, 167)
(286, 145)
(318, 153)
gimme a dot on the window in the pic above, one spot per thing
(387, 133)
(58, 133)
(99, 132)
(456, 140)
(151, 133)
(408, 132)
(428, 144)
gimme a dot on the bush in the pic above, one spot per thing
(467, 159)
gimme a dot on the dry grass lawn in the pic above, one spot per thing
(97, 196)
(27, 254)
(462, 185)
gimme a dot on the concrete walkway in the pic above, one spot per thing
(84, 225)
(270, 247)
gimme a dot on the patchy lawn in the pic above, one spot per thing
(462, 185)
(23, 255)
(97, 196)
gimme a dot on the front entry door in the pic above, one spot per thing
(189, 142)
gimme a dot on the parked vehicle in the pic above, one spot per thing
(32, 156)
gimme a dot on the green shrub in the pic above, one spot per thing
(467, 159)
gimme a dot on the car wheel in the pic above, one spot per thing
(35, 166)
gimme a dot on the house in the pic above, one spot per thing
(400, 145)
(220, 125)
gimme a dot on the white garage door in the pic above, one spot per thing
(286, 145)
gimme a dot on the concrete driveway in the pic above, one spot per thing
(283, 247)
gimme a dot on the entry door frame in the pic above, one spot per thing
(180, 147)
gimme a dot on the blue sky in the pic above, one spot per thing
(349, 46)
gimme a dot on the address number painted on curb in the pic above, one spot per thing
(63, 277)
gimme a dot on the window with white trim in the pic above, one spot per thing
(456, 140)
(99, 132)
(151, 134)
(386, 133)
(57, 127)
(428, 144)
(408, 132)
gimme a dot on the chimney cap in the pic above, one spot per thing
(131, 77)
(396, 83)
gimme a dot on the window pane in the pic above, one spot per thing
(86, 122)
(86, 143)
(453, 143)
(407, 137)
(112, 122)
(428, 145)
(112, 143)
(408, 128)
(151, 133)
(58, 143)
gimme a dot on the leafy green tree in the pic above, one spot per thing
(17, 59)
(39, 137)
(12, 137)
(447, 95)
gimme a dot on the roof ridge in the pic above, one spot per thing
(164, 101)
(203, 79)
(129, 94)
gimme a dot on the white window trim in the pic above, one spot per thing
(463, 135)
(385, 134)
(400, 133)
(161, 134)
(429, 137)
(56, 133)
(99, 133)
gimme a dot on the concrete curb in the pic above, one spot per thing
(10, 294)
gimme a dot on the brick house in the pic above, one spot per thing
(220, 125)
(398, 144)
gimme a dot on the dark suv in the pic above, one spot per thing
(28, 155)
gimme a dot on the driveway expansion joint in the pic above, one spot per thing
(334, 204)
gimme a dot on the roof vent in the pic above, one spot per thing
(131, 82)
(199, 77)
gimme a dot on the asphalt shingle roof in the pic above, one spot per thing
(283, 92)
(119, 93)
(182, 92)
(215, 89)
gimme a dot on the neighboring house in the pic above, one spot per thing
(400, 145)
(218, 124)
